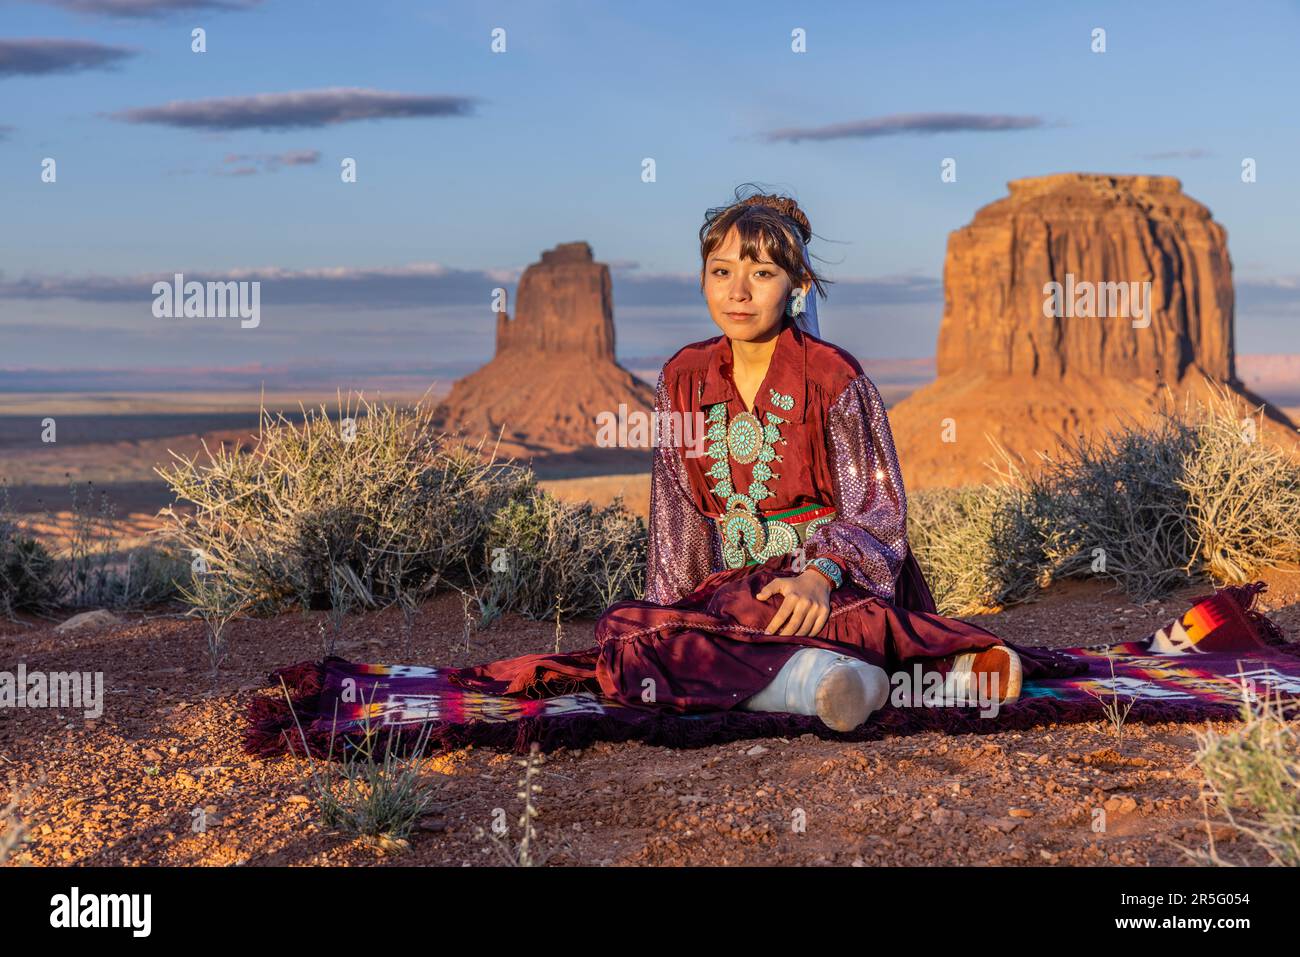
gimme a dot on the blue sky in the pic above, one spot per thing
(543, 144)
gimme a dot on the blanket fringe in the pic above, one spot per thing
(271, 729)
(1269, 632)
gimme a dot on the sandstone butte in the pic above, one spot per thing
(1008, 372)
(553, 371)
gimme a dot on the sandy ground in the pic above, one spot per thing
(124, 789)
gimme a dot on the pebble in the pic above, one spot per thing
(943, 815)
(1020, 812)
(1120, 805)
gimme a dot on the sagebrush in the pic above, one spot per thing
(1148, 506)
(382, 504)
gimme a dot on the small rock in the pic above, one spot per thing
(756, 750)
(298, 799)
(903, 830)
(1120, 804)
(1020, 812)
(99, 618)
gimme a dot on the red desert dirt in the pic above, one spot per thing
(128, 788)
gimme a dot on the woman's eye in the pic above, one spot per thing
(721, 270)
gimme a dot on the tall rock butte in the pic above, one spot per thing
(554, 369)
(1010, 370)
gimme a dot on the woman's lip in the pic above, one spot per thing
(740, 315)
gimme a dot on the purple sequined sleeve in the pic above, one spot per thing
(868, 536)
(681, 551)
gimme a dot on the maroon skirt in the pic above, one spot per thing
(708, 651)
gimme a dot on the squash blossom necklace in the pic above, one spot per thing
(745, 439)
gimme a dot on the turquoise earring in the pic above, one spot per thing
(798, 302)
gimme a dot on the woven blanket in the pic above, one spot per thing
(1199, 666)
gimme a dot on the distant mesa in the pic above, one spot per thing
(554, 369)
(1023, 365)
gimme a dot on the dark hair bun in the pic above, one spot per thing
(787, 207)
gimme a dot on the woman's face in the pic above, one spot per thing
(747, 299)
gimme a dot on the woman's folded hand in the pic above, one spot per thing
(805, 605)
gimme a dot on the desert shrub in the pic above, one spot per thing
(544, 552)
(1253, 772)
(1110, 506)
(1243, 495)
(387, 511)
(378, 789)
(147, 576)
(87, 562)
(978, 546)
(28, 575)
(138, 578)
(89, 572)
(1148, 506)
(211, 598)
(377, 499)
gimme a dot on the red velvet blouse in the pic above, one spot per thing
(835, 448)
